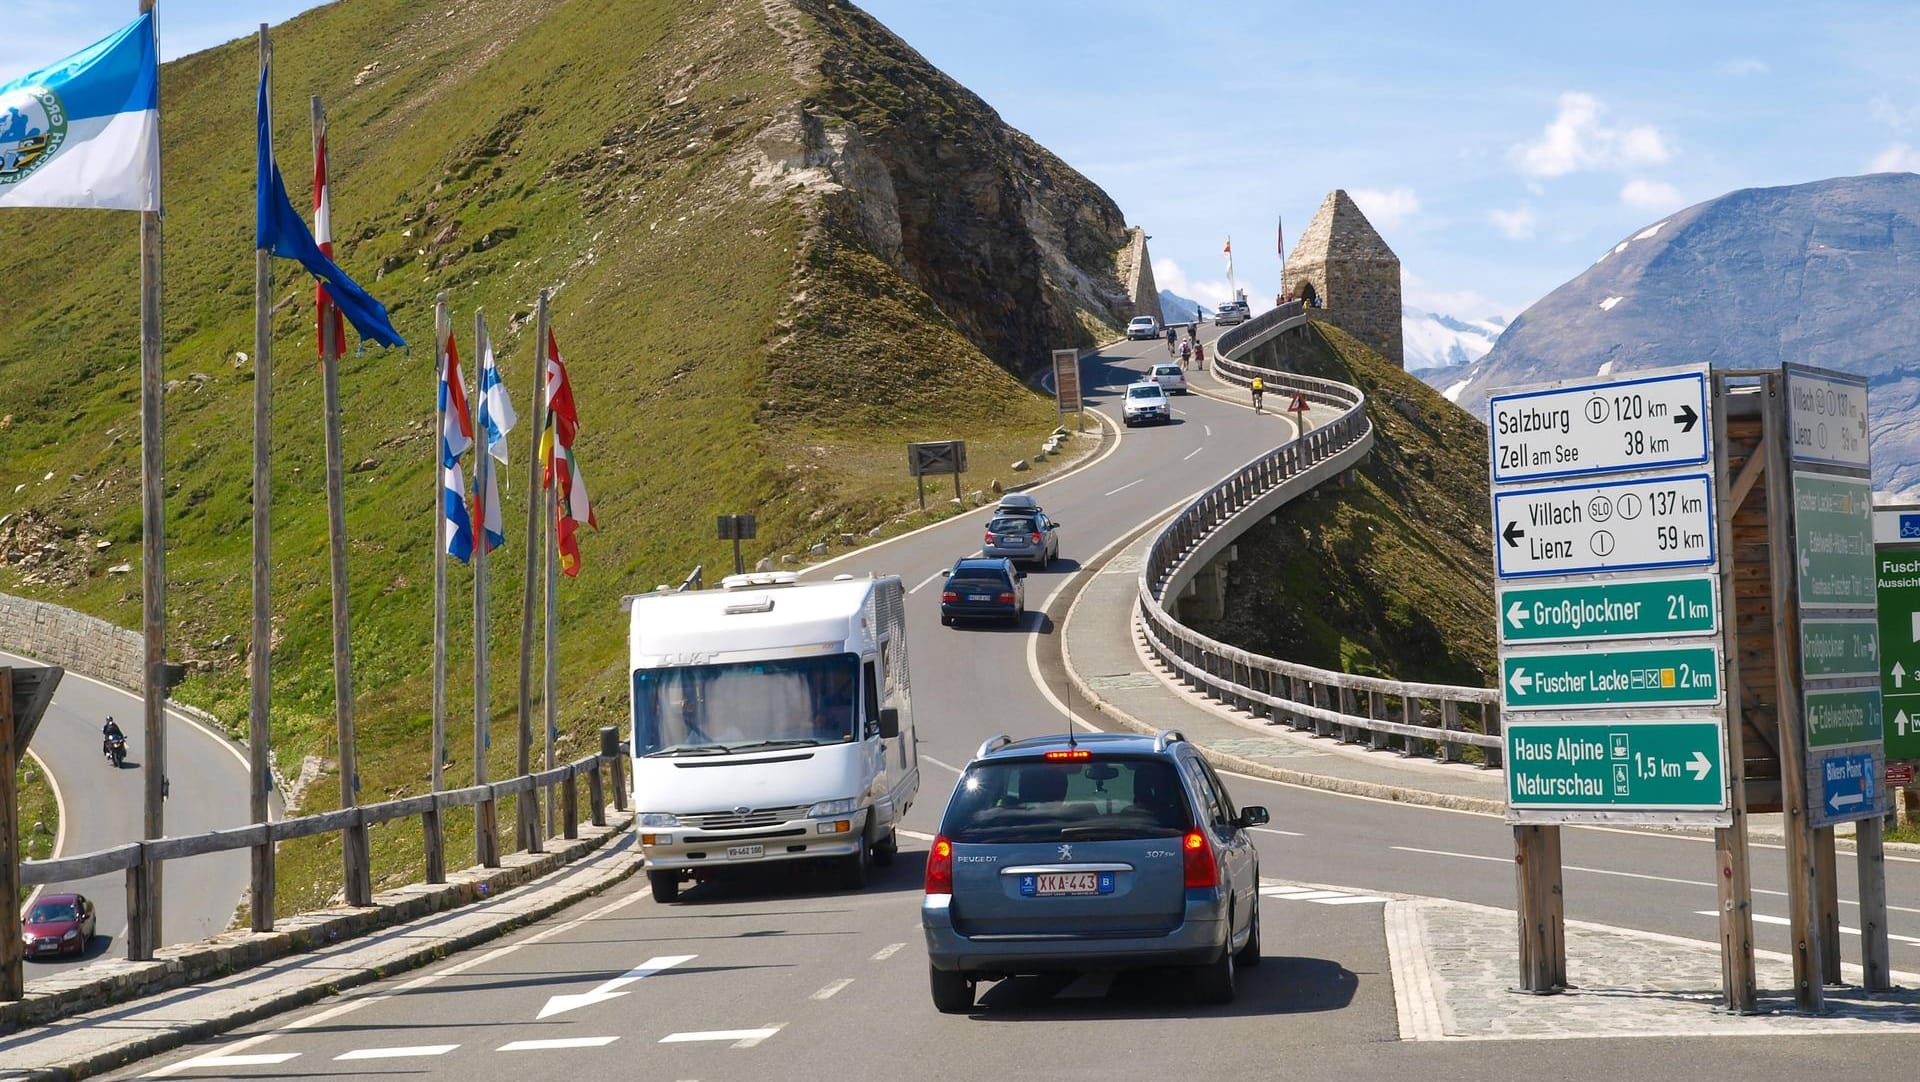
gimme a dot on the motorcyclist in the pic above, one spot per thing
(109, 733)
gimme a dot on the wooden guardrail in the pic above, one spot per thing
(1413, 718)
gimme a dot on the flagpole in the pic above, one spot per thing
(260, 898)
(144, 929)
(543, 322)
(436, 854)
(527, 806)
(354, 857)
(486, 845)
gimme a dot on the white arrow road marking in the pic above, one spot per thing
(612, 989)
(1700, 765)
(1517, 614)
(397, 1053)
(1520, 681)
(1899, 674)
(741, 1038)
(552, 1043)
(1765, 919)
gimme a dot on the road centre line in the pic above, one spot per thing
(741, 1038)
(940, 764)
(1193, 452)
(1208, 429)
(1126, 486)
(926, 580)
(548, 1043)
(260, 1059)
(830, 990)
(402, 1052)
(1277, 830)
(887, 952)
(914, 834)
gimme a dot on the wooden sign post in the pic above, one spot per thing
(24, 697)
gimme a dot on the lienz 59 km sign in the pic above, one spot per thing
(1635, 424)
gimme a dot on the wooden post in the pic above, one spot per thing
(570, 797)
(1809, 993)
(1734, 879)
(596, 800)
(527, 805)
(619, 780)
(13, 977)
(430, 821)
(1870, 856)
(486, 844)
(1828, 900)
(353, 846)
(260, 893)
(144, 927)
(1543, 965)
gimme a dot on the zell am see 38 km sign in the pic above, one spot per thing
(1652, 422)
(1612, 526)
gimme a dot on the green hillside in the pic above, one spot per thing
(737, 339)
(1389, 574)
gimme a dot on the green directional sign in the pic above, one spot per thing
(1899, 593)
(1634, 608)
(1575, 680)
(1637, 765)
(1839, 647)
(1844, 716)
(1833, 535)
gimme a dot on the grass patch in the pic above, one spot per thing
(38, 812)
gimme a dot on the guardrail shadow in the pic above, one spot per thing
(1280, 985)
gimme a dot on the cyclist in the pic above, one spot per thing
(1259, 388)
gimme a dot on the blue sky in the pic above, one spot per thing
(1498, 147)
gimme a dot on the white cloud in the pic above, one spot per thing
(1462, 303)
(1514, 224)
(1576, 140)
(1743, 65)
(1386, 209)
(1898, 158)
(1169, 275)
(1891, 113)
(1655, 195)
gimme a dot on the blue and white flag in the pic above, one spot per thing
(454, 521)
(496, 410)
(85, 132)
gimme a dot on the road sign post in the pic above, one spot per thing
(24, 697)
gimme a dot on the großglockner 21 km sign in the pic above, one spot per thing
(1649, 422)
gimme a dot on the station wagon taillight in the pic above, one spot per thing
(948, 597)
(940, 867)
(1006, 599)
(1197, 856)
(988, 540)
(1034, 537)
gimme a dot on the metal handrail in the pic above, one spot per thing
(1326, 702)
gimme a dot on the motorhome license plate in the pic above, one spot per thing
(1066, 883)
(741, 852)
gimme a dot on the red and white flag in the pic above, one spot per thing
(325, 313)
(562, 472)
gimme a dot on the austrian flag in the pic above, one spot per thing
(562, 472)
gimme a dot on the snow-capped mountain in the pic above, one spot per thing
(1177, 309)
(1436, 341)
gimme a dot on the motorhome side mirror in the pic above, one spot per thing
(890, 722)
(1253, 815)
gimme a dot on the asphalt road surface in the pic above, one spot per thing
(102, 807)
(785, 976)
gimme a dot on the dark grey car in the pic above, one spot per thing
(1030, 536)
(1102, 851)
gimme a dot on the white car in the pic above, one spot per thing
(1231, 312)
(1169, 377)
(1143, 327)
(1146, 401)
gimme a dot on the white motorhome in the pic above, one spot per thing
(772, 721)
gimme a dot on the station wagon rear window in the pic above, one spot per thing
(1100, 799)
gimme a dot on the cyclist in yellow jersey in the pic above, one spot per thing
(1259, 388)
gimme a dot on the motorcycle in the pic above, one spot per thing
(116, 750)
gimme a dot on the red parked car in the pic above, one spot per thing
(58, 924)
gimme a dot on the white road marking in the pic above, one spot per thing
(1784, 922)
(1277, 830)
(1208, 429)
(836, 986)
(398, 1053)
(1349, 899)
(914, 834)
(1302, 895)
(259, 1059)
(1193, 452)
(741, 1038)
(1127, 486)
(556, 1042)
(612, 989)
(887, 951)
(175, 714)
(60, 823)
(941, 765)
(926, 580)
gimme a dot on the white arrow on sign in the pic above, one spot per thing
(1836, 801)
(612, 989)
(1916, 626)
(1900, 723)
(1899, 675)
(1520, 681)
(1517, 616)
(1700, 765)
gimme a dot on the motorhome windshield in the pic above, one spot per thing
(745, 706)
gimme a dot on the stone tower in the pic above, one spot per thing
(1344, 263)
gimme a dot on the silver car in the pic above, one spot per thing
(1030, 536)
(1146, 402)
(1088, 852)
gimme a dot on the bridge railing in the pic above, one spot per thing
(1414, 718)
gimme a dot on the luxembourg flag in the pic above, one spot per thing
(456, 435)
(85, 132)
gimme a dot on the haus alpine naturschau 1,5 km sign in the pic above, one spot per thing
(1607, 550)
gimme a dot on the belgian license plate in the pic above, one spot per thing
(979, 597)
(742, 852)
(1050, 883)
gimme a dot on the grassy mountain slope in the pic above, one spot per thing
(743, 331)
(1390, 574)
